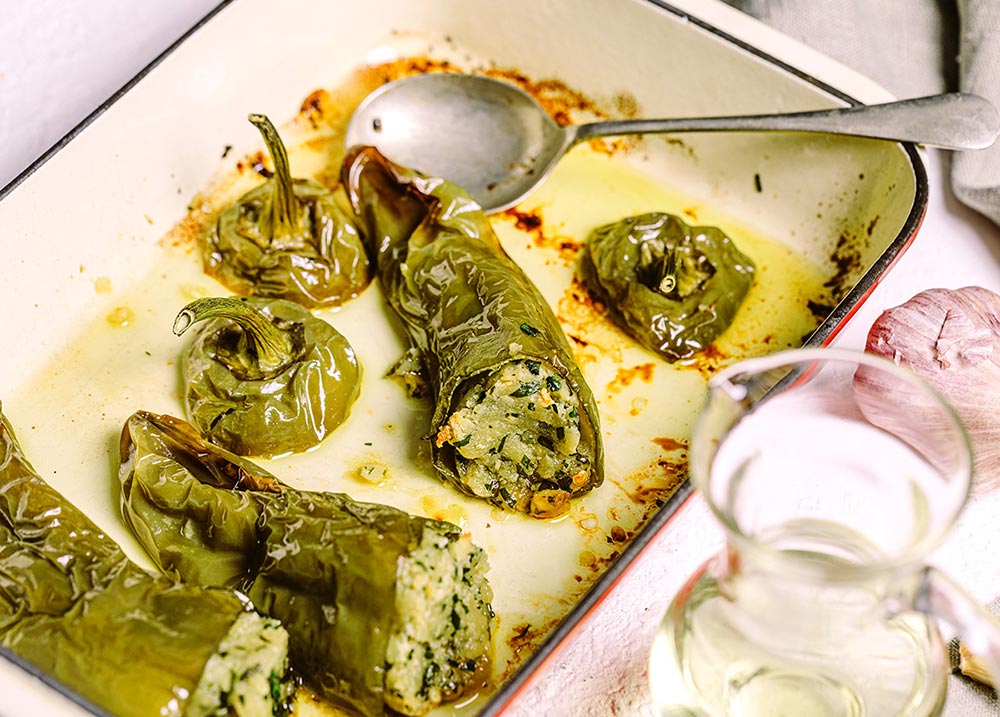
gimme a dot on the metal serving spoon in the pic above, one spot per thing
(496, 141)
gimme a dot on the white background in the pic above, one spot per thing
(60, 59)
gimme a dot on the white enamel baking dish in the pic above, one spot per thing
(89, 220)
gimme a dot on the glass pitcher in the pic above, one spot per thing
(833, 474)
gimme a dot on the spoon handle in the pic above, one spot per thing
(956, 120)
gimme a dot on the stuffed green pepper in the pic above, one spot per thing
(673, 287)
(128, 642)
(287, 239)
(514, 421)
(384, 609)
(264, 377)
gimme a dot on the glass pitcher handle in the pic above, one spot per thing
(941, 597)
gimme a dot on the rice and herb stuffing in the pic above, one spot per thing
(516, 437)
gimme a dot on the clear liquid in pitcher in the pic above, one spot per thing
(765, 643)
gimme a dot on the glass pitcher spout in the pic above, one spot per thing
(834, 474)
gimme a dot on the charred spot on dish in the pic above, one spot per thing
(526, 221)
(670, 444)
(847, 263)
(314, 107)
(871, 225)
(819, 309)
(627, 376)
(258, 163)
(656, 482)
(618, 535)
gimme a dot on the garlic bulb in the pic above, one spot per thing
(951, 338)
(970, 666)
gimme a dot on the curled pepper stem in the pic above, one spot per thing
(284, 208)
(658, 273)
(265, 348)
(668, 278)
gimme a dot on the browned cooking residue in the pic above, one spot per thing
(524, 639)
(651, 485)
(568, 106)
(670, 444)
(315, 106)
(564, 105)
(848, 264)
(525, 636)
(584, 318)
(709, 360)
(626, 105)
(335, 108)
(532, 223)
(819, 309)
(258, 162)
(618, 534)
(626, 376)
(612, 146)
(185, 233)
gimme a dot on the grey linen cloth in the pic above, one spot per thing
(915, 48)
(912, 48)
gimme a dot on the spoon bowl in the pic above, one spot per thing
(495, 141)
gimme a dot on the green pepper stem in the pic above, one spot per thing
(265, 350)
(659, 273)
(284, 208)
(668, 277)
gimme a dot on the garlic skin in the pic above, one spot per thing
(970, 666)
(951, 338)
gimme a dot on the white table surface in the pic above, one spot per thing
(59, 60)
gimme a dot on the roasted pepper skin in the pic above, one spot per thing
(287, 406)
(75, 607)
(287, 239)
(464, 304)
(321, 563)
(673, 287)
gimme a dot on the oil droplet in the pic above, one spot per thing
(499, 514)
(587, 522)
(102, 285)
(457, 515)
(587, 559)
(121, 317)
(449, 512)
(191, 292)
(428, 505)
(372, 472)
(638, 406)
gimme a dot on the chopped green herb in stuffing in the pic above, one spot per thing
(527, 389)
(517, 434)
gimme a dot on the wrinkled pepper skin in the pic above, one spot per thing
(321, 563)
(287, 239)
(73, 605)
(464, 304)
(254, 406)
(673, 287)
